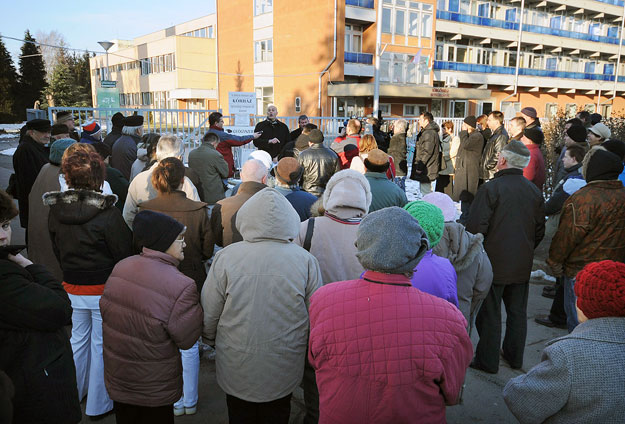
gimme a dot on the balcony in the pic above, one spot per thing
(472, 67)
(496, 23)
(614, 2)
(361, 11)
(358, 64)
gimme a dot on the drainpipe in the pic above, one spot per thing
(217, 78)
(376, 77)
(618, 64)
(518, 57)
(336, 7)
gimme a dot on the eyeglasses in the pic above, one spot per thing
(181, 240)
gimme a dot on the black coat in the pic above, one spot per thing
(427, 154)
(89, 235)
(28, 160)
(119, 186)
(275, 129)
(124, 154)
(112, 137)
(397, 149)
(490, 155)
(35, 351)
(509, 211)
(468, 163)
(559, 196)
(319, 163)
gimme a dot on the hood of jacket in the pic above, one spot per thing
(459, 246)
(347, 195)
(76, 207)
(433, 126)
(267, 215)
(142, 154)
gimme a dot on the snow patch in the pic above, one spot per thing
(12, 127)
(5, 136)
(8, 152)
(539, 274)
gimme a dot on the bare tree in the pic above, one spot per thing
(50, 54)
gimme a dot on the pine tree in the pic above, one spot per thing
(80, 68)
(62, 88)
(32, 79)
(8, 86)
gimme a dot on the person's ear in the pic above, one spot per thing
(264, 180)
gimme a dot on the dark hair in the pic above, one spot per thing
(575, 122)
(302, 117)
(376, 168)
(308, 128)
(214, 118)
(428, 116)
(584, 115)
(149, 141)
(595, 118)
(83, 170)
(168, 175)
(210, 137)
(102, 149)
(577, 152)
(497, 115)
(8, 211)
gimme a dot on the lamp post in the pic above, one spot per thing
(106, 45)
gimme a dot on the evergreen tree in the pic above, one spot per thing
(32, 79)
(8, 86)
(62, 88)
(80, 68)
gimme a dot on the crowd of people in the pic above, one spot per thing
(314, 271)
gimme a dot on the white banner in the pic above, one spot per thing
(240, 130)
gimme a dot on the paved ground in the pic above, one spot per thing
(482, 400)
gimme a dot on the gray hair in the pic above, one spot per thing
(515, 160)
(169, 146)
(253, 170)
(400, 126)
(136, 131)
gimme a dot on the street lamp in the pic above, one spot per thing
(106, 45)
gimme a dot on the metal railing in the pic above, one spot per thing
(368, 4)
(497, 23)
(364, 58)
(490, 69)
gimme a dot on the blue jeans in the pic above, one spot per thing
(570, 301)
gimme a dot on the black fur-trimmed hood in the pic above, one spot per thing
(77, 206)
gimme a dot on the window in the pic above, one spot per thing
(613, 32)
(551, 110)
(510, 109)
(608, 69)
(589, 67)
(606, 110)
(590, 107)
(551, 64)
(484, 108)
(458, 108)
(407, 18)
(437, 107)
(263, 51)
(264, 97)
(385, 108)
(210, 32)
(570, 110)
(146, 99)
(262, 6)
(414, 110)
(353, 38)
(401, 69)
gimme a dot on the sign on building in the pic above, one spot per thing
(108, 84)
(108, 97)
(241, 103)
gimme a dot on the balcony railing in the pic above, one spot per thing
(614, 2)
(478, 20)
(364, 58)
(360, 3)
(490, 69)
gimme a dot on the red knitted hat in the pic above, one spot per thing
(600, 289)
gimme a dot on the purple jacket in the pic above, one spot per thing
(436, 276)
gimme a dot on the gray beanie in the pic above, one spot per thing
(390, 240)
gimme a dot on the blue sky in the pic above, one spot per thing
(83, 24)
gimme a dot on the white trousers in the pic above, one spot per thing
(190, 374)
(87, 347)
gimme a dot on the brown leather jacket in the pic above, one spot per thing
(592, 227)
(198, 238)
(149, 311)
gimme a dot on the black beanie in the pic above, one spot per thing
(615, 146)
(603, 165)
(577, 133)
(155, 230)
(118, 119)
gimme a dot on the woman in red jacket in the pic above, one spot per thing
(150, 310)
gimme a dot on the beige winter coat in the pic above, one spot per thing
(256, 299)
(346, 201)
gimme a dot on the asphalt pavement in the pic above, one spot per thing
(482, 401)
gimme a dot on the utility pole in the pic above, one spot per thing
(378, 47)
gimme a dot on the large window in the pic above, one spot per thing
(353, 38)
(262, 6)
(156, 64)
(414, 110)
(263, 51)
(402, 69)
(402, 17)
(206, 32)
(264, 97)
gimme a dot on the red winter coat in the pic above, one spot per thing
(149, 311)
(385, 352)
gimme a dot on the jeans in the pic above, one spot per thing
(86, 344)
(401, 182)
(570, 301)
(190, 374)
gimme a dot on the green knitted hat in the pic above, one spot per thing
(430, 218)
